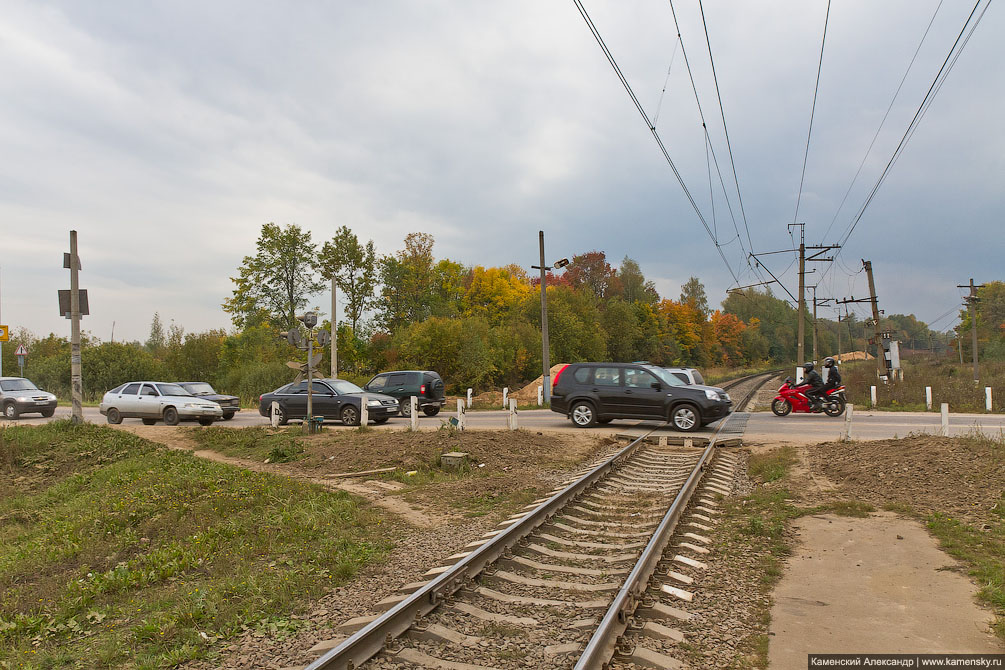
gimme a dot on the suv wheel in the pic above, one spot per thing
(10, 411)
(431, 411)
(583, 415)
(405, 405)
(685, 418)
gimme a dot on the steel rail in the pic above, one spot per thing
(370, 640)
(600, 649)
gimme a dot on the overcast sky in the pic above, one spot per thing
(167, 133)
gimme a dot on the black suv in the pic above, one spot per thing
(592, 393)
(425, 385)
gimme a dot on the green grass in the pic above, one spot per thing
(983, 552)
(258, 443)
(951, 382)
(115, 553)
(771, 466)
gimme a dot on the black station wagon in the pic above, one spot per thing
(592, 393)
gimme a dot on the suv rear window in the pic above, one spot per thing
(698, 379)
(582, 375)
(607, 376)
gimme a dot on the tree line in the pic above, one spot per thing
(477, 326)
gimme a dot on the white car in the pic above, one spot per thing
(20, 396)
(154, 401)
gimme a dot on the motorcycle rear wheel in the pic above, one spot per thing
(835, 408)
(780, 406)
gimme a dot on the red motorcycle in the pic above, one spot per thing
(791, 399)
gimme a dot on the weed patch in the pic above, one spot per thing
(123, 554)
(259, 443)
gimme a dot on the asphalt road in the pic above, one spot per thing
(760, 426)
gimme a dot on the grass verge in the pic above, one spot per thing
(115, 553)
(260, 443)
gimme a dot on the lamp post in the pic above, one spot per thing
(545, 351)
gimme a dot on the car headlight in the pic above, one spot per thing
(373, 402)
(23, 398)
(191, 405)
(711, 395)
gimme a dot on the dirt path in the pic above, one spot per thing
(375, 492)
(879, 585)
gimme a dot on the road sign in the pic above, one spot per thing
(21, 351)
(4, 334)
(64, 303)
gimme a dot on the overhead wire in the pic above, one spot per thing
(813, 109)
(882, 122)
(704, 125)
(725, 129)
(652, 129)
(666, 82)
(929, 95)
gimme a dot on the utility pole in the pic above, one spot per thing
(334, 336)
(972, 301)
(76, 384)
(874, 299)
(545, 350)
(801, 328)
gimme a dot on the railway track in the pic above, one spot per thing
(596, 573)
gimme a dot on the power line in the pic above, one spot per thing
(914, 121)
(813, 109)
(704, 125)
(725, 130)
(659, 105)
(883, 121)
(652, 129)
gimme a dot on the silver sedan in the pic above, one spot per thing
(156, 401)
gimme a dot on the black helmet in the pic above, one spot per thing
(829, 362)
(808, 367)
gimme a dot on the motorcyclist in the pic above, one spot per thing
(811, 386)
(833, 376)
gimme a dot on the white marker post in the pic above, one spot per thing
(274, 415)
(364, 414)
(945, 419)
(414, 414)
(513, 425)
(847, 422)
(928, 398)
(460, 414)
(872, 395)
(987, 398)
(505, 395)
(540, 396)
(469, 398)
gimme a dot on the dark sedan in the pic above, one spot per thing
(230, 404)
(332, 399)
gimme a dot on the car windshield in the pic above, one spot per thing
(172, 389)
(342, 386)
(664, 376)
(17, 385)
(200, 388)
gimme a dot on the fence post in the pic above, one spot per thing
(928, 398)
(274, 415)
(987, 398)
(460, 414)
(512, 415)
(945, 419)
(540, 395)
(413, 416)
(364, 413)
(469, 398)
(505, 396)
(847, 422)
(872, 395)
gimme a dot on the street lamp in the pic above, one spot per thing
(545, 358)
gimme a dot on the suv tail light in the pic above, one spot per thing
(422, 389)
(259, 398)
(554, 382)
